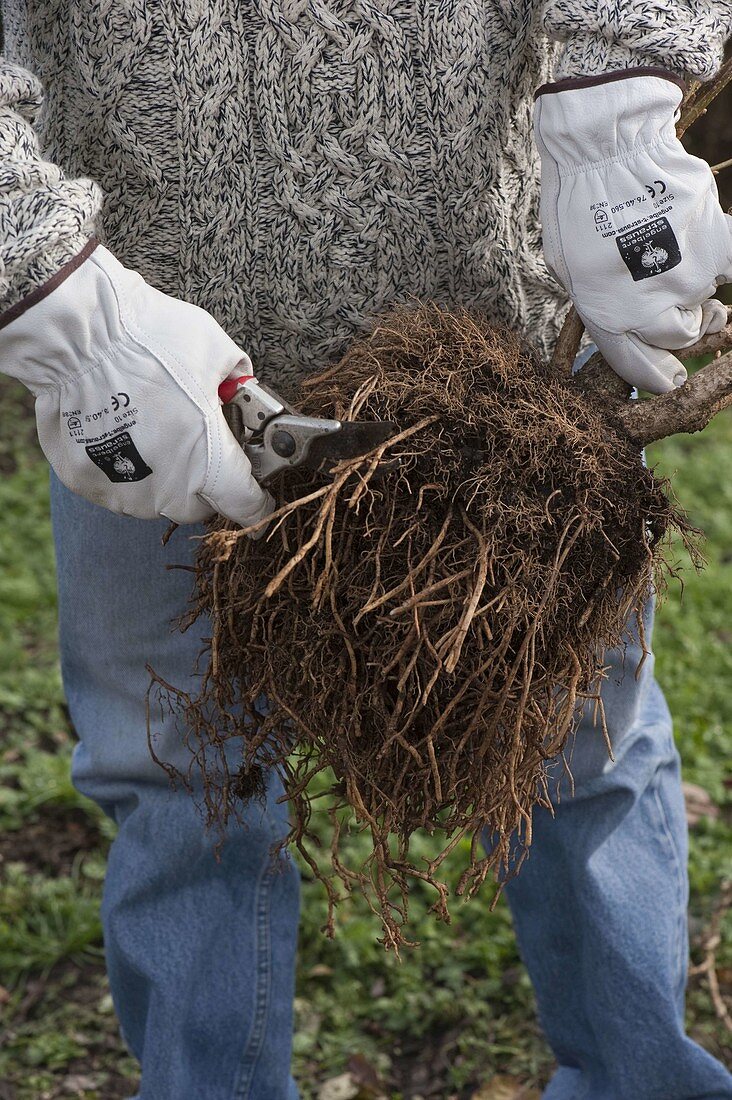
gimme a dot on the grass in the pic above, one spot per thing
(453, 1015)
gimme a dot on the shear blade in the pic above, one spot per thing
(353, 439)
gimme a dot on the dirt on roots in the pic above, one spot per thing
(429, 621)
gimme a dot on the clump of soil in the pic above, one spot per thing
(428, 627)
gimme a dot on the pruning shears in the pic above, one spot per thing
(275, 436)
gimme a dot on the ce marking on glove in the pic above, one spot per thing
(657, 188)
(120, 401)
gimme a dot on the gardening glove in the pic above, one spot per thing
(632, 225)
(125, 379)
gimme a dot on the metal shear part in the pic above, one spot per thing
(275, 436)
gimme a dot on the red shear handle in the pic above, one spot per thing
(228, 388)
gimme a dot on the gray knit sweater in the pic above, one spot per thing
(294, 166)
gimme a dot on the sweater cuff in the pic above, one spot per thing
(599, 36)
(40, 232)
(582, 57)
(38, 271)
(42, 278)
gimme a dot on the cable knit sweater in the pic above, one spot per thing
(295, 166)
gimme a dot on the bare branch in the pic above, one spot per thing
(598, 377)
(712, 342)
(716, 168)
(701, 96)
(687, 409)
(568, 342)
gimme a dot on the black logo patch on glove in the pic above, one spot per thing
(119, 458)
(649, 249)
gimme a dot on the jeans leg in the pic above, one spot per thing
(200, 953)
(599, 909)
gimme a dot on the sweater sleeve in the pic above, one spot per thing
(45, 219)
(598, 36)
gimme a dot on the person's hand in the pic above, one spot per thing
(632, 225)
(126, 380)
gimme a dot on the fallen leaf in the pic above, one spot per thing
(339, 1088)
(76, 1084)
(365, 1075)
(378, 988)
(505, 1088)
(308, 1020)
(698, 804)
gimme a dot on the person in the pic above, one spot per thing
(189, 185)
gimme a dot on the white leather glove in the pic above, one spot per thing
(632, 225)
(126, 380)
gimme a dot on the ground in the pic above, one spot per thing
(453, 1020)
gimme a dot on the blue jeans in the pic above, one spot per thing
(201, 955)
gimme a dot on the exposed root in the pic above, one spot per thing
(429, 631)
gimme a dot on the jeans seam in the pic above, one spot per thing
(678, 872)
(253, 1049)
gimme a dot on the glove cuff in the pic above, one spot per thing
(59, 331)
(586, 122)
(19, 308)
(570, 83)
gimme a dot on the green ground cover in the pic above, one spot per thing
(454, 1016)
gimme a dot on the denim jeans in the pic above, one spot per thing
(201, 955)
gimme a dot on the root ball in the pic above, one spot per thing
(428, 626)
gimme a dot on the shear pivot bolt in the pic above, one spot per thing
(283, 444)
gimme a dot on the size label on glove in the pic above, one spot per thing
(119, 458)
(649, 249)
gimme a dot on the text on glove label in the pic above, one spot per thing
(119, 458)
(650, 249)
